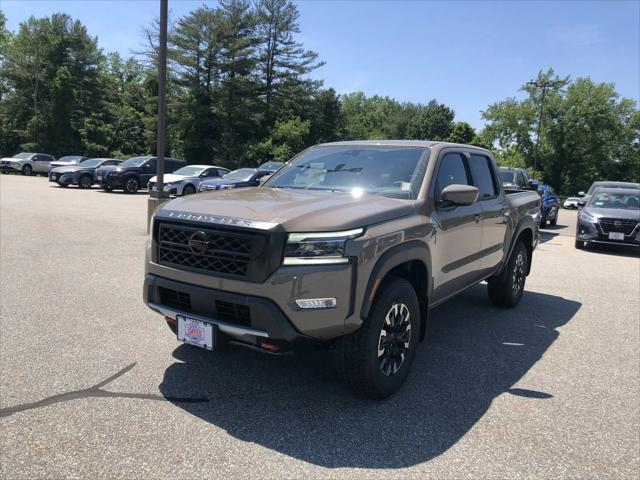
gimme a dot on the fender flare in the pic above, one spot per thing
(525, 223)
(397, 255)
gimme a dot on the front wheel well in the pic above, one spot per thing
(415, 272)
(526, 236)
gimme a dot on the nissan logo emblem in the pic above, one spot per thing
(617, 224)
(198, 243)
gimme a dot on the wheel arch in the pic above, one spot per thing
(411, 261)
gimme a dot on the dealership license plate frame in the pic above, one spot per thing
(196, 332)
(616, 236)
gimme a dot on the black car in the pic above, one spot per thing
(134, 173)
(612, 215)
(242, 177)
(82, 174)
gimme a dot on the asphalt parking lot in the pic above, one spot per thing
(94, 385)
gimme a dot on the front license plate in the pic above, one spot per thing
(195, 332)
(53, 177)
(616, 236)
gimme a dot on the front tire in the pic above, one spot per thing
(376, 359)
(506, 289)
(62, 185)
(85, 181)
(579, 244)
(130, 185)
(108, 189)
(27, 170)
(188, 190)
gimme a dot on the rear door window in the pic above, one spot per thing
(483, 177)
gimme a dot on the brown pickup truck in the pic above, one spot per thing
(346, 247)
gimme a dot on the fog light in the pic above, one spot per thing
(317, 303)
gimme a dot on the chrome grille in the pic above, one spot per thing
(617, 225)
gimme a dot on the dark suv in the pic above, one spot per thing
(133, 174)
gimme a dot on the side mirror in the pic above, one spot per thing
(582, 194)
(460, 194)
(582, 204)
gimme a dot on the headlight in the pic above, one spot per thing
(585, 217)
(318, 248)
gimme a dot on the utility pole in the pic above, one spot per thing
(543, 86)
(159, 196)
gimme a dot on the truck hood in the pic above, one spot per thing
(296, 210)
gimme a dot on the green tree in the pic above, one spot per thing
(461, 132)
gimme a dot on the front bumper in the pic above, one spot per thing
(251, 311)
(591, 232)
(10, 167)
(112, 181)
(62, 178)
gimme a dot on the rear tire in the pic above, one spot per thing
(506, 289)
(375, 360)
(130, 185)
(554, 222)
(543, 222)
(27, 170)
(579, 244)
(107, 189)
(85, 181)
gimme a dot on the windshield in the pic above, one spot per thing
(379, 170)
(71, 159)
(506, 176)
(134, 161)
(625, 201)
(23, 155)
(92, 162)
(242, 174)
(189, 171)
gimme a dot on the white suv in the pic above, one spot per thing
(27, 163)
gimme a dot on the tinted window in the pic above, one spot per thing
(171, 165)
(452, 171)
(151, 165)
(222, 172)
(506, 176)
(482, 176)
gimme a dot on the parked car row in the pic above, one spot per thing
(135, 173)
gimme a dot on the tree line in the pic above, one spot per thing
(240, 93)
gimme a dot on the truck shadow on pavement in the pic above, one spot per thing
(295, 405)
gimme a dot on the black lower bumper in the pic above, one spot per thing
(246, 318)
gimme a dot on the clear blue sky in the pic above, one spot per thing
(466, 54)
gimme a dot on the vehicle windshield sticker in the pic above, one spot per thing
(599, 203)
